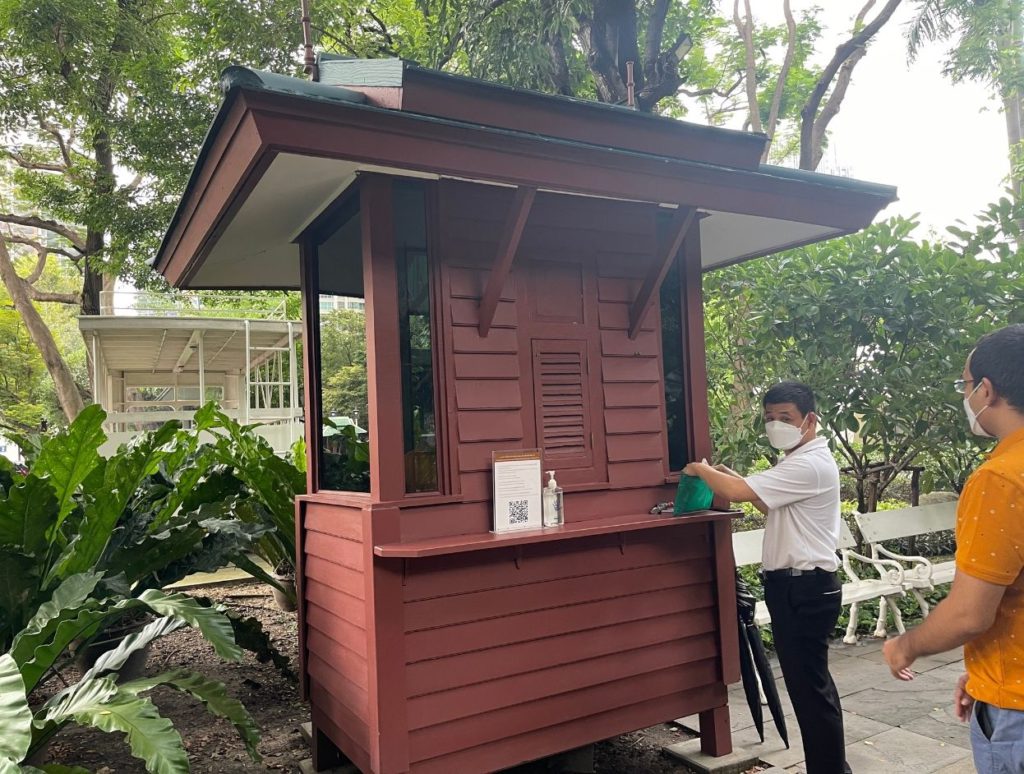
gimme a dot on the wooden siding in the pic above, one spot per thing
(579, 266)
(334, 625)
(502, 647)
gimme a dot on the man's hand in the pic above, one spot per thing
(694, 468)
(898, 658)
(963, 703)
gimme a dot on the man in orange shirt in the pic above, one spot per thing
(985, 607)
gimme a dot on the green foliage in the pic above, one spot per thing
(878, 323)
(212, 694)
(15, 714)
(97, 699)
(161, 508)
(346, 458)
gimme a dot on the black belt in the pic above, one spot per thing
(789, 572)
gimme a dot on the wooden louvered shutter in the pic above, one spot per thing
(562, 402)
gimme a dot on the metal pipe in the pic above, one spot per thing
(630, 86)
(308, 59)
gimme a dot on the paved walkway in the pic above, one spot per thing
(892, 727)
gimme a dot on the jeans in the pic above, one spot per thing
(997, 739)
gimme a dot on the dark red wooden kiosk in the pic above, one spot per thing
(531, 268)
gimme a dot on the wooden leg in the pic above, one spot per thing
(326, 754)
(715, 735)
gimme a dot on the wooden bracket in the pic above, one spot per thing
(510, 236)
(681, 223)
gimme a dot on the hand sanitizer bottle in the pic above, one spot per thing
(553, 515)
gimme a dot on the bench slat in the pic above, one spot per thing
(906, 522)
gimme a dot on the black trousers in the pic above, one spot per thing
(804, 612)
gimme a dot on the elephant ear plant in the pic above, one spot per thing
(98, 699)
(146, 517)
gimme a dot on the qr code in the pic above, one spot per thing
(518, 511)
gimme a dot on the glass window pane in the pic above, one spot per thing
(415, 338)
(344, 450)
(675, 371)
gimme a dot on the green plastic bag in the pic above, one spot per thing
(692, 495)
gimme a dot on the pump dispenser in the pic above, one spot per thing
(552, 501)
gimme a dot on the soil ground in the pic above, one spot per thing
(273, 701)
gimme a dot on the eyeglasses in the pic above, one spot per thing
(960, 385)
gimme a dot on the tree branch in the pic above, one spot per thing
(745, 27)
(780, 84)
(72, 299)
(843, 52)
(40, 166)
(20, 240)
(32, 221)
(655, 32)
(833, 103)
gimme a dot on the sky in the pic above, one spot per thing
(943, 145)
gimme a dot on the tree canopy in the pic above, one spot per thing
(879, 324)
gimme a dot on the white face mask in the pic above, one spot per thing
(783, 435)
(972, 417)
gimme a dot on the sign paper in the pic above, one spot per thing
(517, 503)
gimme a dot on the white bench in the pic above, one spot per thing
(920, 574)
(746, 547)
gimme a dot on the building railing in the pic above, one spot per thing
(148, 303)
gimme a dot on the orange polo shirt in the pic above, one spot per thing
(990, 547)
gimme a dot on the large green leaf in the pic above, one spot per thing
(114, 659)
(124, 474)
(151, 737)
(71, 593)
(215, 626)
(27, 513)
(211, 693)
(19, 587)
(68, 457)
(87, 692)
(15, 714)
(152, 555)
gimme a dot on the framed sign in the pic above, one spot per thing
(517, 503)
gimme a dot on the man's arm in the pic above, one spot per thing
(969, 610)
(759, 504)
(725, 485)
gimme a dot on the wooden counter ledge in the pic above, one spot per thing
(457, 544)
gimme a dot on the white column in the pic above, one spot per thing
(243, 403)
(202, 371)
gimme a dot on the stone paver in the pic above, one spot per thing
(689, 753)
(894, 702)
(898, 751)
(963, 766)
(925, 664)
(891, 726)
(942, 725)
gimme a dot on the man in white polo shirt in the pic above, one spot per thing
(800, 497)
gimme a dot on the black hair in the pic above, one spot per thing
(999, 357)
(796, 393)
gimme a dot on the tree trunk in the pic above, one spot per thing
(68, 396)
(813, 124)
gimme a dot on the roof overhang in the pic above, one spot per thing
(166, 345)
(274, 159)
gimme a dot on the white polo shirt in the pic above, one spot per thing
(802, 495)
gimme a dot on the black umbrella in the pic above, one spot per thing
(754, 664)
